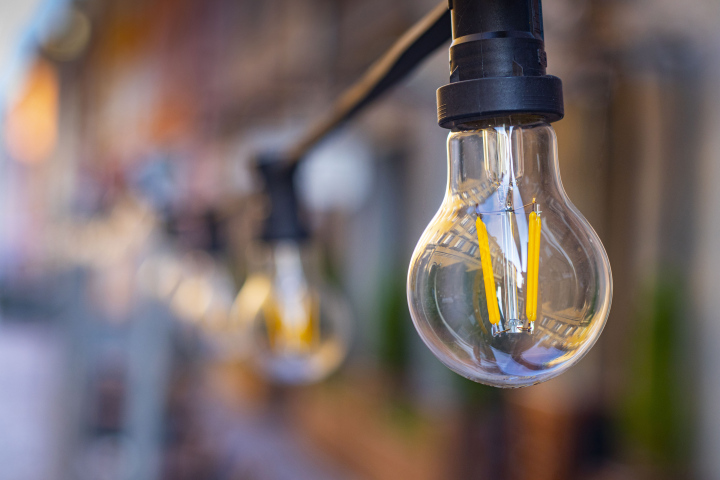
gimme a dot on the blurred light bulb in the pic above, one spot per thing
(297, 328)
(509, 285)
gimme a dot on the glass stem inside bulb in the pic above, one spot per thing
(510, 311)
(503, 223)
(291, 314)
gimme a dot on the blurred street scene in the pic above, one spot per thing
(130, 208)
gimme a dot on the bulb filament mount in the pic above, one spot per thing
(505, 210)
(503, 302)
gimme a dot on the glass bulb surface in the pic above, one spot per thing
(297, 328)
(509, 285)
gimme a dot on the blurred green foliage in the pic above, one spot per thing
(655, 417)
(394, 326)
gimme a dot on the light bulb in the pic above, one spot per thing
(509, 285)
(297, 328)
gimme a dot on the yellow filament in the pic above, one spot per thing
(310, 333)
(287, 336)
(273, 322)
(533, 266)
(488, 275)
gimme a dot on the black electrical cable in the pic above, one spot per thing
(497, 68)
(408, 52)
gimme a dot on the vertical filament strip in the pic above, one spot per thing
(292, 328)
(533, 266)
(488, 275)
(311, 332)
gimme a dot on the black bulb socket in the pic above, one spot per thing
(284, 219)
(498, 64)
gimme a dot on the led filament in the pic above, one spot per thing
(533, 256)
(507, 295)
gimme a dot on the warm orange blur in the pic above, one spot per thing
(31, 127)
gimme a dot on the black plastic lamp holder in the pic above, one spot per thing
(497, 64)
(284, 219)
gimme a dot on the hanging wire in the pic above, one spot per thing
(408, 52)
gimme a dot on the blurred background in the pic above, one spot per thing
(129, 209)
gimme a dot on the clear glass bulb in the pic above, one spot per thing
(509, 285)
(297, 328)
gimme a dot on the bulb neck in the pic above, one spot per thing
(501, 157)
(520, 120)
(287, 264)
(271, 258)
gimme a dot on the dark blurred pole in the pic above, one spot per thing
(656, 136)
(482, 448)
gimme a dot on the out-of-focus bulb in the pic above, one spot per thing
(297, 328)
(509, 285)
